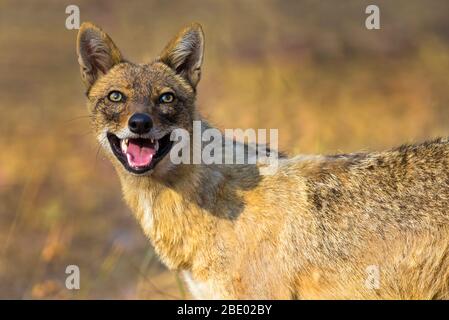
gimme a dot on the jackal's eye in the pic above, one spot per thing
(116, 96)
(167, 97)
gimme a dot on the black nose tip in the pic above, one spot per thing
(140, 123)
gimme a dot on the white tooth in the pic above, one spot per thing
(124, 145)
(156, 145)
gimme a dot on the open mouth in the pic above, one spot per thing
(139, 155)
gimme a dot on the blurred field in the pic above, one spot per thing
(309, 68)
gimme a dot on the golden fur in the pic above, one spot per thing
(308, 232)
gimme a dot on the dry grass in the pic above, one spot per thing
(307, 68)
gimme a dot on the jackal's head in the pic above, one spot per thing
(135, 107)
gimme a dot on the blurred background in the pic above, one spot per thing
(309, 68)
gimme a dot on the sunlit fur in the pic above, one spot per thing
(308, 232)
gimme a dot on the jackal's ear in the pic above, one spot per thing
(184, 53)
(96, 53)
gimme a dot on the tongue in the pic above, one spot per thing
(139, 155)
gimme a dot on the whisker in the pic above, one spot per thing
(103, 140)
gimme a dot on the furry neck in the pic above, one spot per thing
(185, 216)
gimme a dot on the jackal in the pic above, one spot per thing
(350, 226)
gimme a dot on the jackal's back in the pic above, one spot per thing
(407, 187)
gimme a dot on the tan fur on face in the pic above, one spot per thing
(310, 231)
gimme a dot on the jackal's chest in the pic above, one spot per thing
(202, 289)
(141, 205)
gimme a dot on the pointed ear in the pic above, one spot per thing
(184, 53)
(96, 53)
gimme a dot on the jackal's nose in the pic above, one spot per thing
(140, 123)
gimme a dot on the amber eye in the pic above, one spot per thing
(166, 97)
(116, 96)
